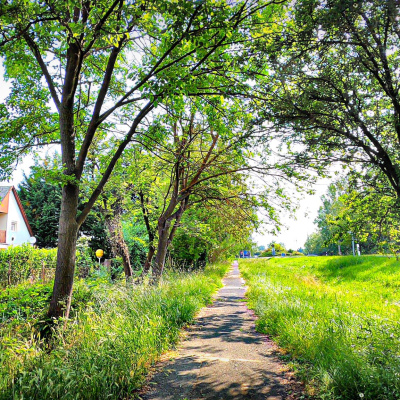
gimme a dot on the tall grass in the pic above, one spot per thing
(107, 350)
(338, 317)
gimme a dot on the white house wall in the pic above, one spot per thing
(14, 214)
(3, 222)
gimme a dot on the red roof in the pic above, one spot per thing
(4, 203)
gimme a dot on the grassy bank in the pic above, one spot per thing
(108, 347)
(338, 318)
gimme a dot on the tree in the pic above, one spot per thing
(333, 87)
(370, 216)
(41, 202)
(353, 210)
(80, 70)
(41, 198)
(112, 211)
(201, 156)
(200, 160)
(331, 237)
(315, 244)
(213, 230)
(331, 234)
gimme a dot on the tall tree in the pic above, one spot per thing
(199, 157)
(81, 70)
(41, 196)
(333, 86)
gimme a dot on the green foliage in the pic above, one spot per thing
(315, 244)
(20, 263)
(107, 352)
(189, 250)
(41, 202)
(351, 209)
(279, 249)
(136, 238)
(24, 302)
(40, 195)
(334, 88)
(338, 317)
(23, 305)
(85, 257)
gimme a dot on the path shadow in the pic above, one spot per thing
(177, 383)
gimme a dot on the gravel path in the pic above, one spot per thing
(223, 356)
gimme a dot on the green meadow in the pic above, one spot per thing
(336, 318)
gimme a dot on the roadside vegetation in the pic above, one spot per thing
(115, 334)
(337, 318)
(169, 129)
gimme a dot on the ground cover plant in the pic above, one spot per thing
(106, 349)
(337, 317)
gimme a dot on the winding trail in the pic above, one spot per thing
(223, 356)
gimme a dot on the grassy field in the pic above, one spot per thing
(337, 318)
(106, 350)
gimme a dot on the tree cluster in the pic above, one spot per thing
(178, 109)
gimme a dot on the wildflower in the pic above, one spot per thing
(361, 395)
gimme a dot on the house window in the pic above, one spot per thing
(14, 226)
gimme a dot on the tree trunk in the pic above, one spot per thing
(67, 236)
(117, 241)
(150, 234)
(165, 237)
(149, 259)
(68, 227)
(162, 247)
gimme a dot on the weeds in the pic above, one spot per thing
(110, 344)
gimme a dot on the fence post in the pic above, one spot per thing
(32, 274)
(9, 273)
(43, 272)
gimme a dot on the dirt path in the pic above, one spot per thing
(224, 357)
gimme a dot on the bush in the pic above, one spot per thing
(85, 257)
(24, 302)
(29, 302)
(20, 263)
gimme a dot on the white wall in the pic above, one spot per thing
(3, 222)
(14, 214)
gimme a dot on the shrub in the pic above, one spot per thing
(20, 263)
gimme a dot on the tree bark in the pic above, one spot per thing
(165, 236)
(68, 231)
(149, 259)
(117, 241)
(162, 247)
(150, 234)
(68, 227)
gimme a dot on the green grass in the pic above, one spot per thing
(337, 317)
(108, 347)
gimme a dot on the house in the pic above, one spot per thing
(14, 225)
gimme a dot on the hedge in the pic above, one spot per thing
(21, 263)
